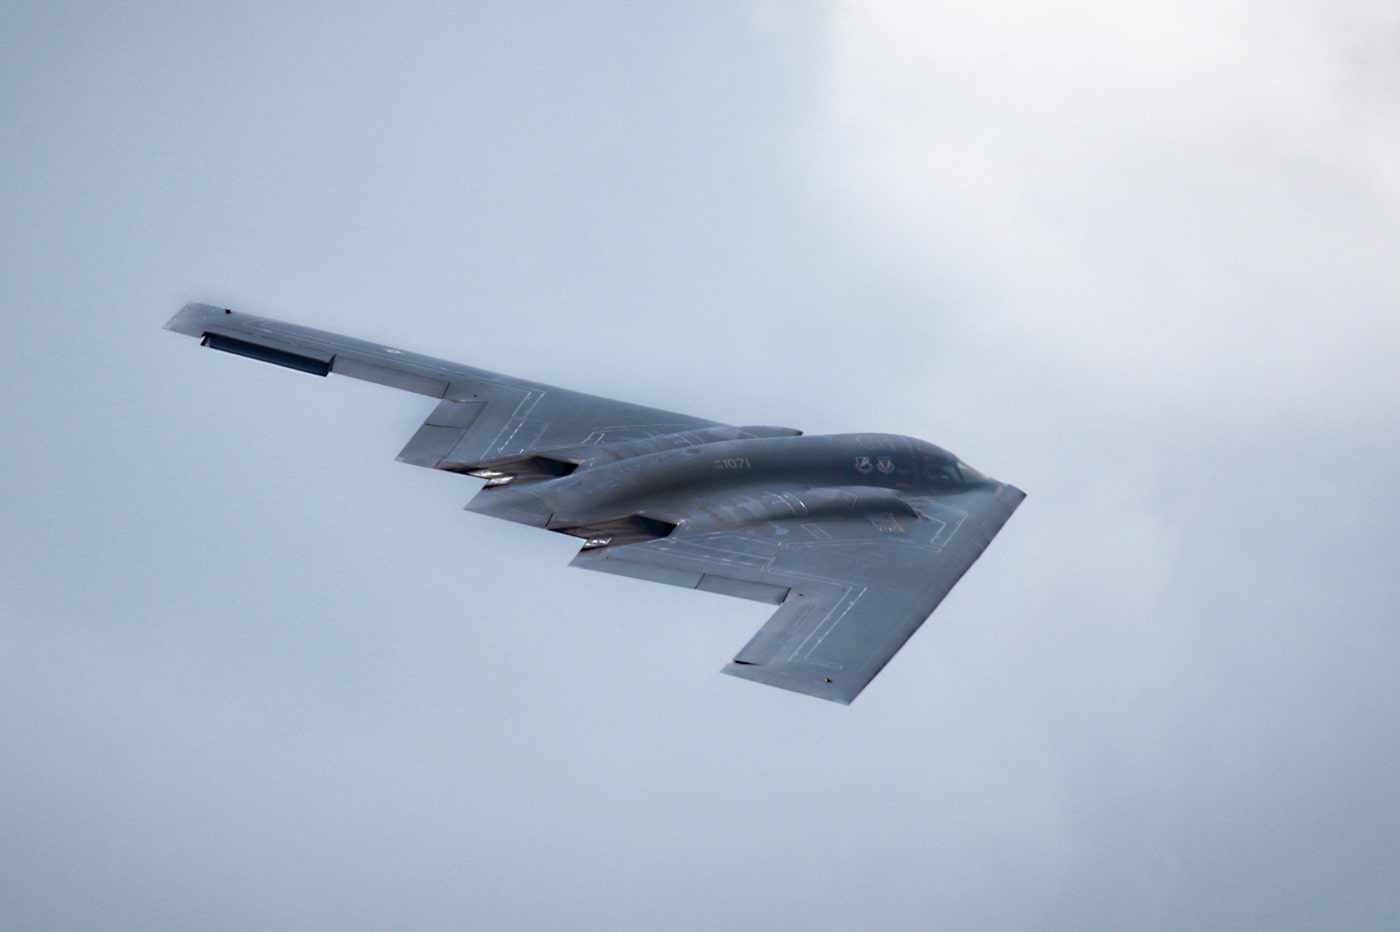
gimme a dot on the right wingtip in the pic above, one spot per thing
(798, 678)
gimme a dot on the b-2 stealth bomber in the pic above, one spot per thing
(855, 537)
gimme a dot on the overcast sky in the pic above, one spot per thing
(1139, 260)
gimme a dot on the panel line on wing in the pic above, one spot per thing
(827, 625)
(518, 419)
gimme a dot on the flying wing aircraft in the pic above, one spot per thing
(855, 537)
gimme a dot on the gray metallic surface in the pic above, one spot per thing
(856, 537)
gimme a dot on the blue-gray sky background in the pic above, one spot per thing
(1140, 261)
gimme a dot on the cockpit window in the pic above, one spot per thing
(942, 472)
(950, 472)
(969, 474)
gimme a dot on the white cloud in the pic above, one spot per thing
(1179, 200)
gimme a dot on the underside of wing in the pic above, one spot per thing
(850, 591)
(484, 421)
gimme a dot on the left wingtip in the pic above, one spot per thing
(194, 319)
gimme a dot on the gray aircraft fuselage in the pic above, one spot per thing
(720, 481)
